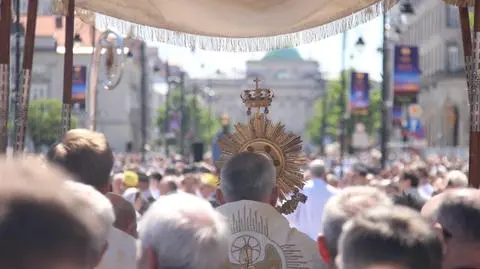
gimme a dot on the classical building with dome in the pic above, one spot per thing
(296, 83)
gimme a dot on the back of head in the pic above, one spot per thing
(457, 179)
(247, 176)
(346, 205)
(197, 235)
(390, 236)
(42, 225)
(317, 168)
(125, 215)
(87, 155)
(99, 204)
(459, 214)
(412, 177)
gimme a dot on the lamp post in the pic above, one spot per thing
(406, 11)
(182, 114)
(210, 93)
(360, 44)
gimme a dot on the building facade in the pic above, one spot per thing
(296, 83)
(435, 29)
(113, 107)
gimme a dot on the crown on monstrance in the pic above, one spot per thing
(257, 98)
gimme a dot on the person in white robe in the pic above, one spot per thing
(260, 237)
(307, 217)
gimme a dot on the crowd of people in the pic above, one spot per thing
(81, 206)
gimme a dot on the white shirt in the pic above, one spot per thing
(307, 218)
(121, 252)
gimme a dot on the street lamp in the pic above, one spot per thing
(360, 44)
(407, 11)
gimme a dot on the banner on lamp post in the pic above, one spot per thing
(406, 74)
(79, 86)
(359, 93)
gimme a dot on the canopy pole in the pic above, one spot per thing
(24, 92)
(472, 60)
(68, 69)
(5, 26)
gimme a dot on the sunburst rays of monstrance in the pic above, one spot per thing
(262, 136)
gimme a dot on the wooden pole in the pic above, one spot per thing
(24, 92)
(68, 69)
(471, 48)
(5, 26)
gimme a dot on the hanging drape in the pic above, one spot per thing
(229, 25)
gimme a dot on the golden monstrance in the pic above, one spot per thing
(261, 135)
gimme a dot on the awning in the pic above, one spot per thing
(230, 25)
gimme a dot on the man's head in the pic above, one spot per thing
(42, 224)
(248, 176)
(317, 169)
(456, 179)
(117, 182)
(456, 214)
(183, 231)
(341, 208)
(125, 215)
(100, 207)
(408, 180)
(87, 155)
(389, 237)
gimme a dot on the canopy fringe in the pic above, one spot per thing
(251, 44)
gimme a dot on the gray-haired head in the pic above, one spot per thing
(457, 179)
(346, 205)
(184, 232)
(247, 176)
(317, 168)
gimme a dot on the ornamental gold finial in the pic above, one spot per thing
(257, 98)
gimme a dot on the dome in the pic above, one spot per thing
(287, 54)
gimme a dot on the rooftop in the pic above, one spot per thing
(286, 54)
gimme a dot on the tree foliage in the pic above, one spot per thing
(372, 119)
(44, 121)
(195, 110)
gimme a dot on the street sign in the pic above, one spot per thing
(415, 111)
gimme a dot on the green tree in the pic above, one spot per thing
(194, 111)
(44, 121)
(372, 119)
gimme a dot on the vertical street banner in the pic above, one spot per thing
(174, 123)
(397, 114)
(79, 86)
(406, 72)
(359, 93)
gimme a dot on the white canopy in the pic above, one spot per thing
(230, 25)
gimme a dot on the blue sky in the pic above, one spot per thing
(327, 52)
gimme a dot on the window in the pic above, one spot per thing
(58, 22)
(452, 16)
(453, 57)
(38, 91)
(283, 75)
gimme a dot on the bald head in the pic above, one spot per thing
(125, 215)
(317, 168)
(247, 176)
